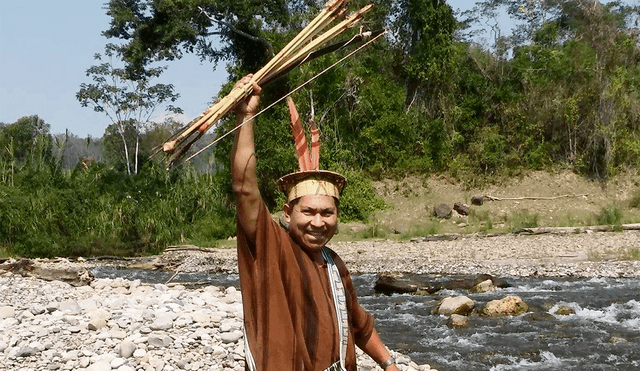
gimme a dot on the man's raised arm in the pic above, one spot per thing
(243, 163)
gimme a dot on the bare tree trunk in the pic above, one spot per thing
(137, 149)
(126, 150)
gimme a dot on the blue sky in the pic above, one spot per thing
(46, 47)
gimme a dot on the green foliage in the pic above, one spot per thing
(562, 90)
(374, 230)
(421, 231)
(359, 199)
(523, 219)
(98, 210)
(631, 254)
(481, 218)
(634, 202)
(128, 100)
(610, 215)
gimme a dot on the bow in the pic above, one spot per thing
(378, 35)
(304, 47)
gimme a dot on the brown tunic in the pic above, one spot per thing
(288, 306)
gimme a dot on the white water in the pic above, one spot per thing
(602, 335)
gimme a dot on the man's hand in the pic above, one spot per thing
(249, 106)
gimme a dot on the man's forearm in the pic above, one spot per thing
(243, 163)
(243, 159)
(376, 350)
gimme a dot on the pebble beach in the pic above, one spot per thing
(584, 255)
(117, 324)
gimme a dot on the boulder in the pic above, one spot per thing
(458, 321)
(442, 211)
(477, 200)
(484, 286)
(7, 312)
(617, 340)
(540, 316)
(461, 208)
(461, 305)
(508, 306)
(127, 347)
(96, 324)
(390, 283)
(565, 310)
(469, 283)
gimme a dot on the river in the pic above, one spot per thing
(602, 335)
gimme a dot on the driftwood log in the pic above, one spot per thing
(533, 231)
(492, 198)
(74, 276)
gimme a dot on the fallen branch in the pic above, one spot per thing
(188, 248)
(532, 231)
(491, 198)
(173, 276)
(576, 230)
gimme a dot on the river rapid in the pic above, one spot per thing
(602, 335)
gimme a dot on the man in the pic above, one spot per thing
(296, 316)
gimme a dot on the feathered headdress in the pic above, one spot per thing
(310, 180)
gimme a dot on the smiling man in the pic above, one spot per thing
(301, 312)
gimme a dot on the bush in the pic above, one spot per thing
(634, 202)
(523, 219)
(359, 200)
(100, 211)
(610, 215)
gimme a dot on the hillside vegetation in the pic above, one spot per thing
(427, 102)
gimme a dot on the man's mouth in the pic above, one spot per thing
(316, 235)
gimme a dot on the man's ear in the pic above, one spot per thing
(286, 209)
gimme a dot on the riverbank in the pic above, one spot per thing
(599, 254)
(128, 325)
(117, 324)
(585, 255)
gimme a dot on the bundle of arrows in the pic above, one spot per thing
(307, 44)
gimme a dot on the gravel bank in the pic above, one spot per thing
(577, 255)
(126, 325)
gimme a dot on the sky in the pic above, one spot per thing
(47, 46)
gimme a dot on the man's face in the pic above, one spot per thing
(313, 220)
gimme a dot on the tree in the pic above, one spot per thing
(156, 30)
(127, 100)
(424, 32)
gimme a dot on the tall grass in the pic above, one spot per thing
(482, 219)
(100, 211)
(523, 219)
(610, 215)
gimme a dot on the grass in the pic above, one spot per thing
(630, 254)
(569, 219)
(523, 219)
(421, 231)
(610, 215)
(374, 230)
(595, 256)
(481, 219)
(634, 202)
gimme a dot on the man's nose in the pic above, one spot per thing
(316, 220)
